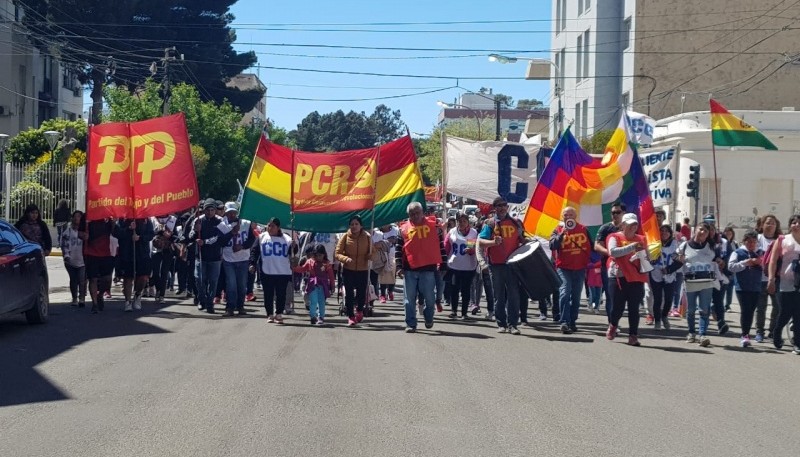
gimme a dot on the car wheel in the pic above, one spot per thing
(38, 313)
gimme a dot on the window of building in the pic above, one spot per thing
(577, 121)
(558, 16)
(626, 100)
(587, 5)
(585, 119)
(579, 58)
(70, 78)
(563, 14)
(580, 7)
(586, 51)
(626, 33)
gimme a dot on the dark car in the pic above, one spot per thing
(23, 276)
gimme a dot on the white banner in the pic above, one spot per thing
(661, 168)
(484, 170)
(641, 127)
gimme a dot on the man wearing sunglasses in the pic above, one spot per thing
(617, 209)
(500, 240)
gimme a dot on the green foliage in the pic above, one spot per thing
(529, 103)
(218, 139)
(338, 131)
(596, 144)
(278, 135)
(27, 192)
(31, 144)
(429, 150)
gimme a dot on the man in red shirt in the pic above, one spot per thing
(572, 247)
(99, 259)
(686, 229)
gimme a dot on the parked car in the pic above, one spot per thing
(24, 285)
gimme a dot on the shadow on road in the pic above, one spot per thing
(23, 347)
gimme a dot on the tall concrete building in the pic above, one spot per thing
(34, 86)
(666, 57)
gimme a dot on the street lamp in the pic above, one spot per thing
(52, 138)
(538, 76)
(474, 113)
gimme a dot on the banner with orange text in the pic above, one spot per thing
(140, 169)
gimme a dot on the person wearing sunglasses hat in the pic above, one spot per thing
(625, 275)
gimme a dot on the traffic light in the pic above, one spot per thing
(693, 185)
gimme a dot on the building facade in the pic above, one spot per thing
(666, 57)
(480, 108)
(34, 86)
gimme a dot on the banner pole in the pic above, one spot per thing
(443, 141)
(716, 182)
(673, 212)
(291, 223)
(372, 221)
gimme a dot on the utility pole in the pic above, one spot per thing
(496, 118)
(169, 57)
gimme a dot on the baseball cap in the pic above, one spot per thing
(231, 206)
(630, 218)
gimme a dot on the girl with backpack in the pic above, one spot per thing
(784, 276)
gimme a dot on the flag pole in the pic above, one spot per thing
(673, 211)
(714, 160)
(372, 221)
(443, 141)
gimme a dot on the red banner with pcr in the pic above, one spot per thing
(140, 169)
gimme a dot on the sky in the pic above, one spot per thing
(519, 28)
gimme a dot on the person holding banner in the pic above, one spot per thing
(626, 274)
(99, 259)
(211, 234)
(572, 246)
(354, 251)
(500, 239)
(419, 254)
(134, 262)
(163, 253)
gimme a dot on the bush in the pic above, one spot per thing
(31, 144)
(27, 192)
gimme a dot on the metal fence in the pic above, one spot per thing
(44, 185)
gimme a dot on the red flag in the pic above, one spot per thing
(140, 169)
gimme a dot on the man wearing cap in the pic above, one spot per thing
(500, 240)
(210, 234)
(236, 258)
(571, 245)
(162, 254)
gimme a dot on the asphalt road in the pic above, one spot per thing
(171, 381)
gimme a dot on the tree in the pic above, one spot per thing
(117, 41)
(338, 131)
(596, 144)
(505, 100)
(529, 103)
(429, 149)
(222, 148)
(31, 144)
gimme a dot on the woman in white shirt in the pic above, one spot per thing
(786, 279)
(461, 262)
(276, 271)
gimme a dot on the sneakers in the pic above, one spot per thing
(250, 297)
(657, 325)
(633, 340)
(228, 313)
(759, 337)
(279, 318)
(241, 312)
(320, 322)
(383, 299)
(723, 329)
(778, 343)
(200, 306)
(565, 329)
(665, 323)
(216, 300)
(313, 320)
(128, 306)
(489, 316)
(542, 317)
(611, 333)
(464, 317)
(137, 303)
(690, 338)
(270, 319)
(107, 294)
(439, 308)
(502, 330)
(745, 341)
(410, 330)
(649, 320)
(513, 330)
(796, 350)
(452, 315)
(74, 302)
(351, 323)
(160, 300)
(704, 341)
(391, 296)
(428, 324)
(674, 313)
(359, 317)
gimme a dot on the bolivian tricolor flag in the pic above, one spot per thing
(729, 130)
(320, 191)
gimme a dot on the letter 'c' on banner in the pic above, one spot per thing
(139, 170)
(504, 164)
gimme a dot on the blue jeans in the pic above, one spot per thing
(704, 298)
(439, 286)
(316, 303)
(676, 299)
(594, 296)
(506, 295)
(235, 283)
(569, 294)
(418, 284)
(207, 274)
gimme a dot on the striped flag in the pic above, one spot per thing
(321, 191)
(729, 130)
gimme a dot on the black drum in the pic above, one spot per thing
(535, 271)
